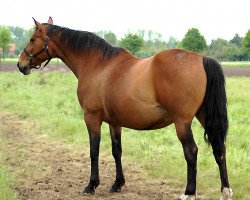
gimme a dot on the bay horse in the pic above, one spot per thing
(118, 88)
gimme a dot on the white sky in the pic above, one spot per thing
(214, 18)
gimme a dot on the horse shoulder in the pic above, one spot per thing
(89, 94)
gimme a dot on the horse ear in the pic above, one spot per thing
(36, 23)
(50, 20)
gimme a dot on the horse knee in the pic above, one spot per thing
(116, 154)
(191, 153)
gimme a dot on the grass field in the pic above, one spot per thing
(6, 193)
(49, 100)
(54, 61)
(6, 178)
(236, 64)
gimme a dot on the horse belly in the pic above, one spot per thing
(141, 117)
(131, 101)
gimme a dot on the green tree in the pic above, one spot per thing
(100, 33)
(172, 42)
(141, 33)
(20, 37)
(153, 43)
(217, 48)
(246, 42)
(132, 43)
(22, 42)
(224, 50)
(194, 41)
(111, 38)
(237, 40)
(149, 35)
(17, 32)
(151, 47)
(5, 39)
(232, 52)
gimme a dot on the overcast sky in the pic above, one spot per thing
(214, 18)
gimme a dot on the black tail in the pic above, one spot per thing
(215, 105)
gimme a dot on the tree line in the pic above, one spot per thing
(145, 43)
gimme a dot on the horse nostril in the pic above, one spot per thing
(17, 64)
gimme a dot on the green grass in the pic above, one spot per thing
(14, 61)
(49, 99)
(9, 61)
(236, 64)
(6, 179)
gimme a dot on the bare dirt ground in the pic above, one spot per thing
(46, 169)
(228, 71)
(237, 71)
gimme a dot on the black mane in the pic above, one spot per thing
(83, 41)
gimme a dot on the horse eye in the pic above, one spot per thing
(32, 40)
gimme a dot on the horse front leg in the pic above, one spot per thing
(190, 150)
(115, 133)
(94, 128)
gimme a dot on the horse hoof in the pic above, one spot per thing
(87, 194)
(187, 197)
(227, 194)
(113, 190)
(116, 187)
(88, 191)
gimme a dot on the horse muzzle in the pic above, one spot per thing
(25, 70)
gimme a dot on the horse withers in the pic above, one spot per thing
(118, 88)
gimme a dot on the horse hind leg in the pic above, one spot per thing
(216, 119)
(220, 158)
(190, 150)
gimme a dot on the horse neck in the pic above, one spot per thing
(74, 60)
(85, 63)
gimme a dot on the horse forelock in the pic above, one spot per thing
(83, 41)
